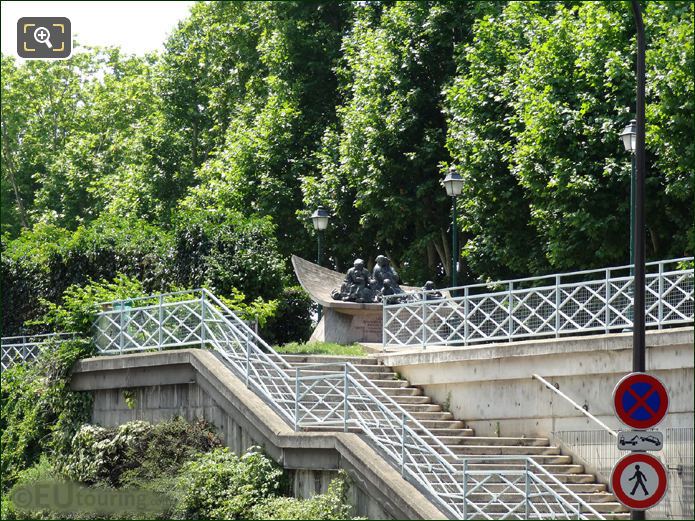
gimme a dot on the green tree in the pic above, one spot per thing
(380, 165)
(534, 114)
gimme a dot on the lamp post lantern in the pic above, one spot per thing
(320, 221)
(629, 137)
(453, 184)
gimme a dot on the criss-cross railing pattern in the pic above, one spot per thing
(25, 348)
(517, 488)
(343, 400)
(572, 303)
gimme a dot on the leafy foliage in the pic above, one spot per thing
(80, 304)
(221, 485)
(542, 92)
(40, 414)
(331, 505)
(135, 452)
(226, 252)
(291, 320)
(200, 166)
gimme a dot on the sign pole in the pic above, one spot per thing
(638, 336)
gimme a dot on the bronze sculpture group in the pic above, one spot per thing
(384, 281)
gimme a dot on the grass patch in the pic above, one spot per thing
(322, 348)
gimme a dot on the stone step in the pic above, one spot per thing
(383, 384)
(496, 508)
(366, 375)
(433, 416)
(419, 415)
(504, 450)
(436, 425)
(512, 462)
(444, 434)
(508, 495)
(577, 488)
(550, 466)
(568, 479)
(403, 391)
(607, 516)
(453, 441)
(327, 359)
(325, 406)
(335, 368)
(512, 497)
(412, 399)
(390, 391)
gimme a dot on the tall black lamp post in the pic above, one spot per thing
(638, 234)
(320, 221)
(453, 184)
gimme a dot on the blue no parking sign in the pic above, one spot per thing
(640, 400)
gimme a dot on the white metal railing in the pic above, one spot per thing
(344, 399)
(574, 404)
(554, 305)
(518, 488)
(25, 348)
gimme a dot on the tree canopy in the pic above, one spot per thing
(221, 146)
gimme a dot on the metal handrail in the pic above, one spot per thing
(530, 462)
(383, 397)
(390, 426)
(465, 315)
(575, 405)
(506, 282)
(20, 348)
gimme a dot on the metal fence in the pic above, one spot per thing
(343, 399)
(25, 348)
(562, 304)
(599, 451)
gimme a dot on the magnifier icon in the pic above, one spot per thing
(42, 35)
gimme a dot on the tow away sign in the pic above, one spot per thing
(640, 440)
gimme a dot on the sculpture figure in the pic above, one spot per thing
(357, 285)
(382, 272)
(432, 293)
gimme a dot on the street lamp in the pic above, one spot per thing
(453, 184)
(629, 137)
(638, 236)
(320, 221)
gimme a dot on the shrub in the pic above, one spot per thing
(40, 414)
(99, 454)
(42, 471)
(331, 505)
(43, 262)
(135, 452)
(80, 304)
(220, 485)
(292, 319)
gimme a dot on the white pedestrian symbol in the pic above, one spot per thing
(638, 476)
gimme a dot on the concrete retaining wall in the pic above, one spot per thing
(194, 384)
(491, 389)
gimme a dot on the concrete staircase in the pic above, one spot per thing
(462, 441)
